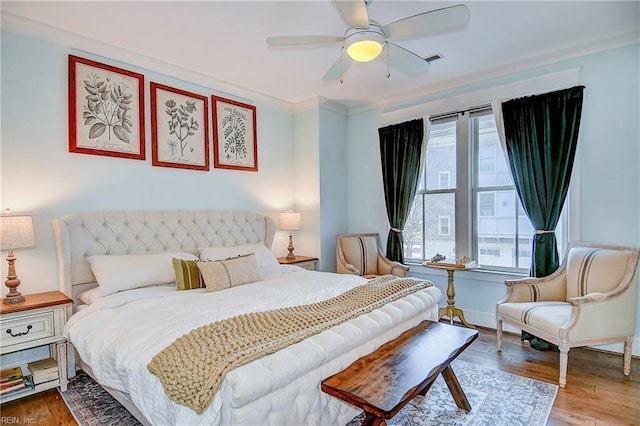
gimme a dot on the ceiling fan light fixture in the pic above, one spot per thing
(364, 50)
(365, 45)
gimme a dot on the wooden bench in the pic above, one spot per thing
(382, 382)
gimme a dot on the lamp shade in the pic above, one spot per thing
(16, 232)
(290, 221)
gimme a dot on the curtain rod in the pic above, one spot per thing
(462, 111)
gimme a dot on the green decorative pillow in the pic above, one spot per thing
(222, 274)
(188, 275)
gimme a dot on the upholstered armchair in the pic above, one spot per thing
(360, 254)
(591, 299)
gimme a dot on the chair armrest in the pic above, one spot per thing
(600, 315)
(589, 298)
(386, 266)
(529, 289)
(351, 269)
(597, 297)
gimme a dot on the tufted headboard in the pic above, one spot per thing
(81, 235)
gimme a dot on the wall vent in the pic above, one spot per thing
(433, 57)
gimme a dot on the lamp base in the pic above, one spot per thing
(12, 282)
(13, 298)
(290, 256)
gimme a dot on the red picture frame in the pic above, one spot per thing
(235, 142)
(106, 110)
(179, 128)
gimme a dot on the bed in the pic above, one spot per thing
(116, 335)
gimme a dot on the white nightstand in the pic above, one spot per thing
(38, 321)
(310, 263)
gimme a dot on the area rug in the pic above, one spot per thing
(497, 398)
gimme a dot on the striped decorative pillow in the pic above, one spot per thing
(223, 274)
(188, 275)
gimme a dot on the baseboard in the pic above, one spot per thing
(486, 320)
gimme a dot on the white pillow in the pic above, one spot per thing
(125, 272)
(264, 256)
(89, 296)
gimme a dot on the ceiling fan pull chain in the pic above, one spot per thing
(388, 61)
(342, 59)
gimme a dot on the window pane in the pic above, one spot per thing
(441, 156)
(496, 225)
(412, 233)
(486, 203)
(525, 239)
(492, 166)
(497, 233)
(440, 233)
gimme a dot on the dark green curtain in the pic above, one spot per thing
(401, 154)
(541, 134)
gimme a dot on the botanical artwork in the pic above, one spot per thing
(235, 144)
(180, 128)
(106, 110)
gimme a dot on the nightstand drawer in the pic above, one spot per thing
(27, 327)
(306, 262)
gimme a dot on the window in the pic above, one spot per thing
(490, 252)
(466, 203)
(486, 203)
(445, 224)
(444, 177)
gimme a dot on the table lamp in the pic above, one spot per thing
(290, 221)
(16, 232)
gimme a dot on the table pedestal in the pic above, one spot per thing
(450, 310)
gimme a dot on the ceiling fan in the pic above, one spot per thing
(365, 39)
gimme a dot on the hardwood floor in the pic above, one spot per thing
(45, 408)
(597, 391)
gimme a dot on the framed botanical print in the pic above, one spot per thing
(106, 110)
(179, 128)
(235, 144)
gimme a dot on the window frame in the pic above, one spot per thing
(466, 192)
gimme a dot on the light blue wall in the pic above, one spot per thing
(40, 176)
(333, 176)
(608, 158)
(320, 166)
(306, 176)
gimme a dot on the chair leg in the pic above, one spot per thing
(499, 335)
(628, 344)
(564, 358)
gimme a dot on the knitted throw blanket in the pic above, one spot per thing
(191, 369)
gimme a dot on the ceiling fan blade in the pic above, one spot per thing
(354, 12)
(302, 40)
(338, 68)
(430, 23)
(405, 60)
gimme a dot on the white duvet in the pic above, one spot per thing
(118, 335)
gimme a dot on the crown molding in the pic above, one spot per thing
(318, 102)
(78, 43)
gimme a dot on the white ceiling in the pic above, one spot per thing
(225, 40)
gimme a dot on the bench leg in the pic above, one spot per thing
(424, 391)
(456, 390)
(371, 420)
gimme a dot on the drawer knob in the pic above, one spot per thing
(29, 327)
